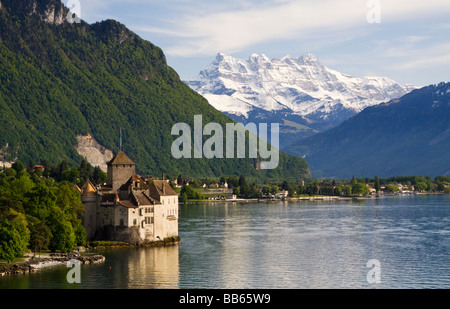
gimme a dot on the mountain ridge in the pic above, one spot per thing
(301, 90)
(402, 137)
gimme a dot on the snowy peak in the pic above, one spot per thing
(303, 86)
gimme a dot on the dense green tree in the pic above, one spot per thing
(21, 185)
(347, 190)
(98, 176)
(80, 235)
(360, 189)
(377, 185)
(183, 197)
(40, 234)
(85, 170)
(233, 182)
(420, 186)
(63, 235)
(40, 200)
(69, 201)
(440, 187)
(72, 175)
(242, 181)
(392, 188)
(265, 190)
(14, 235)
(18, 166)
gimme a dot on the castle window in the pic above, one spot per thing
(134, 222)
(121, 222)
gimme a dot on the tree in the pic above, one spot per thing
(40, 234)
(360, 189)
(60, 169)
(80, 235)
(242, 181)
(377, 184)
(347, 190)
(392, 188)
(72, 175)
(20, 186)
(236, 191)
(183, 197)
(99, 176)
(179, 180)
(39, 201)
(68, 200)
(18, 166)
(190, 193)
(233, 182)
(420, 186)
(63, 238)
(14, 235)
(85, 170)
(266, 190)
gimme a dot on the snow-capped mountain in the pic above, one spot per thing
(302, 94)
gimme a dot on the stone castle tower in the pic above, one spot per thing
(120, 169)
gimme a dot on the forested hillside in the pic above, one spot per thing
(59, 80)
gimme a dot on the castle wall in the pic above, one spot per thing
(146, 223)
(166, 217)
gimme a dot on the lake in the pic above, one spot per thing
(282, 245)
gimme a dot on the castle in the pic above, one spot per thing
(127, 208)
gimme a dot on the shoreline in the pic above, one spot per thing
(104, 244)
(306, 198)
(34, 264)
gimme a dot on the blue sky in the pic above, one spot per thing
(408, 42)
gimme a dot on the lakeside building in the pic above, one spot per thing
(127, 208)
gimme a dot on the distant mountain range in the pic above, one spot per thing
(68, 89)
(301, 94)
(406, 136)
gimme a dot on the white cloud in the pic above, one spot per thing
(419, 57)
(231, 30)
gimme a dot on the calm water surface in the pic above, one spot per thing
(275, 245)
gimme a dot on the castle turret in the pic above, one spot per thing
(89, 195)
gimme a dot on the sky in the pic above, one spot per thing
(405, 40)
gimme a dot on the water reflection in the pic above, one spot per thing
(154, 268)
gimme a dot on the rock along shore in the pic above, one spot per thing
(54, 259)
